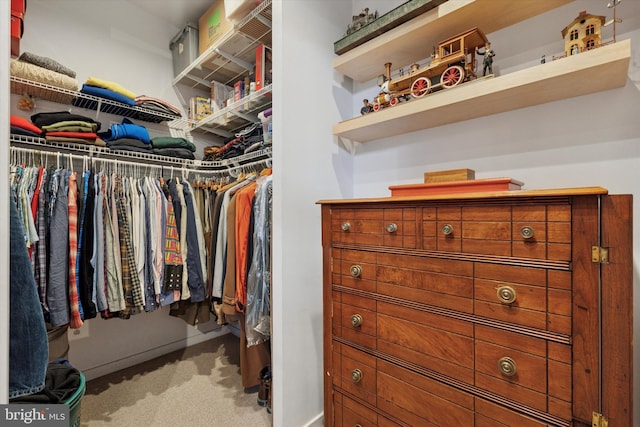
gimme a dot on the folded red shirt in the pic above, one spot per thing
(23, 123)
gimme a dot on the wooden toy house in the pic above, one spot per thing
(583, 33)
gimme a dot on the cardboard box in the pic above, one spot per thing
(449, 175)
(264, 66)
(184, 48)
(235, 10)
(213, 25)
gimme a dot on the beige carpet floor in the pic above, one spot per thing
(196, 386)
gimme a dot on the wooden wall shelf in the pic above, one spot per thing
(414, 40)
(588, 72)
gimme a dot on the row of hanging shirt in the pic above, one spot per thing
(112, 243)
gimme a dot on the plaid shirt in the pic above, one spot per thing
(130, 281)
(74, 303)
(172, 280)
(40, 256)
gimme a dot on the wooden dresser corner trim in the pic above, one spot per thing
(617, 310)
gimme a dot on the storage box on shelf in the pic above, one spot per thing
(599, 69)
(184, 48)
(229, 59)
(18, 8)
(212, 25)
(235, 10)
(264, 66)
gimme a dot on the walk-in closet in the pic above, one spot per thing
(137, 225)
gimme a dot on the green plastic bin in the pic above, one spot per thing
(74, 403)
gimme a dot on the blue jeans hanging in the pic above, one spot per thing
(28, 343)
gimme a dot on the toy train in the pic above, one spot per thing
(453, 62)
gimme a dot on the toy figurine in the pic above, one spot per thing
(359, 21)
(367, 107)
(487, 63)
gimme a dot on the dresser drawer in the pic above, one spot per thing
(434, 281)
(529, 370)
(355, 372)
(419, 401)
(350, 413)
(394, 227)
(491, 415)
(354, 319)
(537, 231)
(428, 340)
(532, 297)
(354, 269)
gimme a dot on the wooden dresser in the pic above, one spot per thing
(489, 309)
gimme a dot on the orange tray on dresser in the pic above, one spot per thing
(470, 186)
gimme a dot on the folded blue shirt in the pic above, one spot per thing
(126, 130)
(107, 94)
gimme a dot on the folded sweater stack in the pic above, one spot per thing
(62, 126)
(173, 147)
(108, 90)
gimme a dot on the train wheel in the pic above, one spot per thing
(393, 101)
(420, 87)
(376, 106)
(452, 76)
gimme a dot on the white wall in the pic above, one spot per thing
(308, 166)
(591, 140)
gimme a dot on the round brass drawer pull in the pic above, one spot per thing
(356, 375)
(507, 366)
(356, 271)
(392, 228)
(447, 229)
(527, 232)
(506, 294)
(356, 320)
(346, 226)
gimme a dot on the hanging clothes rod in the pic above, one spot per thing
(20, 155)
(249, 167)
(133, 157)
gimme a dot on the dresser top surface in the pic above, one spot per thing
(515, 194)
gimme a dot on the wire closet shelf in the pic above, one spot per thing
(42, 146)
